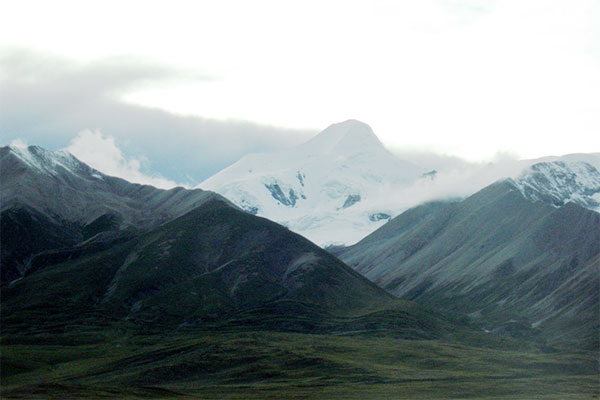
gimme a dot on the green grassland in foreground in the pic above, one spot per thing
(266, 364)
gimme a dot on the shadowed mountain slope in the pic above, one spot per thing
(217, 303)
(514, 263)
(214, 266)
(90, 249)
(51, 200)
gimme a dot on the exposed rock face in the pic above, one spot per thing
(558, 183)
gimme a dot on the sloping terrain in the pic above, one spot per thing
(213, 266)
(214, 302)
(516, 264)
(51, 200)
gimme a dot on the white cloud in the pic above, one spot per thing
(102, 153)
(463, 181)
(39, 104)
(18, 143)
(463, 77)
(454, 179)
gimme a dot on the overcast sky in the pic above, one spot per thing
(184, 88)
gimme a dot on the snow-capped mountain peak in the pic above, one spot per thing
(558, 183)
(346, 138)
(332, 183)
(52, 162)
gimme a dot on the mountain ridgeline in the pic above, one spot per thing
(81, 246)
(116, 290)
(516, 256)
(51, 200)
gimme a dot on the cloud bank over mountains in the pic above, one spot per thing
(47, 100)
(59, 103)
(101, 152)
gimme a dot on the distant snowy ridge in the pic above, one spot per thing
(53, 162)
(343, 184)
(57, 186)
(558, 183)
(329, 189)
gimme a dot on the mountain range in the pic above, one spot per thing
(522, 253)
(523, 249)
(114, 289)
(343, 184)
(52, 200)
(78, 245)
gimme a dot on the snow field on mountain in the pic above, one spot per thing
(331, 189)
(343, 184)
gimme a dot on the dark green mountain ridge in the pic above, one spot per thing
(51, 200)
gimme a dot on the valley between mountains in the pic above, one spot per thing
(307, 273)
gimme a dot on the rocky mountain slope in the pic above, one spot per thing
(213, 302)
(52, 200)
(559, 182)
(91, 250)
(214, 265)
(519, 254)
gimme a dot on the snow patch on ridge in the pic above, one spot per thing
(50, 162)
(558, 183)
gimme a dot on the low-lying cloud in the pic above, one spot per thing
(101, 152)
(46, 100)
(449, 178)
(58, 103)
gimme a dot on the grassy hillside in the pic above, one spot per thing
(264, 364)
(214, 266)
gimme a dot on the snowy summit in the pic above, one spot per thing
(331, 189)
(558, 183)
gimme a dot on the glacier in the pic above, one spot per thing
(331, 189)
